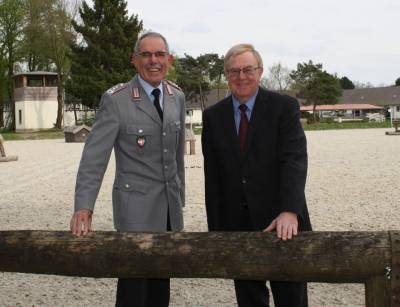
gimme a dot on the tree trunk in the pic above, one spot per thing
(60, 100)
(1, 114)
(75, 115)
(11, 93)
(311, 256)
(314, 115)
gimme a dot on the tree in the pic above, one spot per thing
(358, 84)
(12, 18)
(279, 78)
(346, 83)
(3, 85)
(315, 85)
(34, 45)
(59, 35)
(197, 76)
(102, 57)
(397, 82)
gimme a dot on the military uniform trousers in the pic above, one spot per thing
(138, 292)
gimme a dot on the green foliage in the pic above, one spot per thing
(88, 119)
(102, 58)
(196, 76)
(34, 45)
(398, 82)
(12, 15)
(32, 135)
(346, 83)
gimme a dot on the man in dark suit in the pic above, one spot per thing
(255, 166)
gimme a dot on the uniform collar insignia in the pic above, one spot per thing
(135, 93)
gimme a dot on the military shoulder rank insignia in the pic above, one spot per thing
(116, 88)
(170, 84)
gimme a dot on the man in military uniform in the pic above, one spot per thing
(144, 121)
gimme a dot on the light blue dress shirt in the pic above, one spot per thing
(236, 111)
(148, 88)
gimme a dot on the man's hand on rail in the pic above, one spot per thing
(81, 222)
(286, 225)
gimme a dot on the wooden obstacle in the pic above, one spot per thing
(190, 139)
(396, 125)
(372, 258)
(3, 157)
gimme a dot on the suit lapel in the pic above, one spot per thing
(143, 102)
(228, 120)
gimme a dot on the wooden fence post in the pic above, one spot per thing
(3, 157)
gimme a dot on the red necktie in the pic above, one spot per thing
(244, 123)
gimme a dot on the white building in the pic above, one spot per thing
(35, 100)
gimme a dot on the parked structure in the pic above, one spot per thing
(386, 97)
(345, 112)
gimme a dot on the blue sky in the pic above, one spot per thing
(359, 39)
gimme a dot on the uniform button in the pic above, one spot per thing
(244, 181)
(140, 131)
(165, 150)
(166, 183)
(127, 186)
(164, 133)
(165, 166)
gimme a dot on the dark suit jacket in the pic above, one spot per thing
(269, 177)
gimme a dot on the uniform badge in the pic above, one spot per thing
(141, 141)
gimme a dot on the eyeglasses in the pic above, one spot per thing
(149, 55)
(247, 71)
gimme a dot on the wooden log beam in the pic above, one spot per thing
(311, 256)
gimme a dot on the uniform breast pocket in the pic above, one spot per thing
(144, 137)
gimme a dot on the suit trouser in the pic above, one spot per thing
(254, 293)
(139, 292)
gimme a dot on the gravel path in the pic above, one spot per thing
(353, 184)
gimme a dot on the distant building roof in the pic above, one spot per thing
(36, 73)
(382, 96)
(349, 106)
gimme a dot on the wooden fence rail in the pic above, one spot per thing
(372, 258)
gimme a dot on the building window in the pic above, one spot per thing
(35, 81)
(19, 81)
(397, 108)
(51, 80)
(20, 117)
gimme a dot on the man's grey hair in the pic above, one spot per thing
(149, 34)
(239, 49)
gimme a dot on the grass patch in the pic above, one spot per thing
(32, 135)
(348, 125)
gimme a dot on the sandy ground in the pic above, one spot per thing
(353, 184)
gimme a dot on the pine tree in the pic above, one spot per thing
(102, 58)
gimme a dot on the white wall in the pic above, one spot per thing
(194, 117)
(35, 114)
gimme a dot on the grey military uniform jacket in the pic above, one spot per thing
(149, 155)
